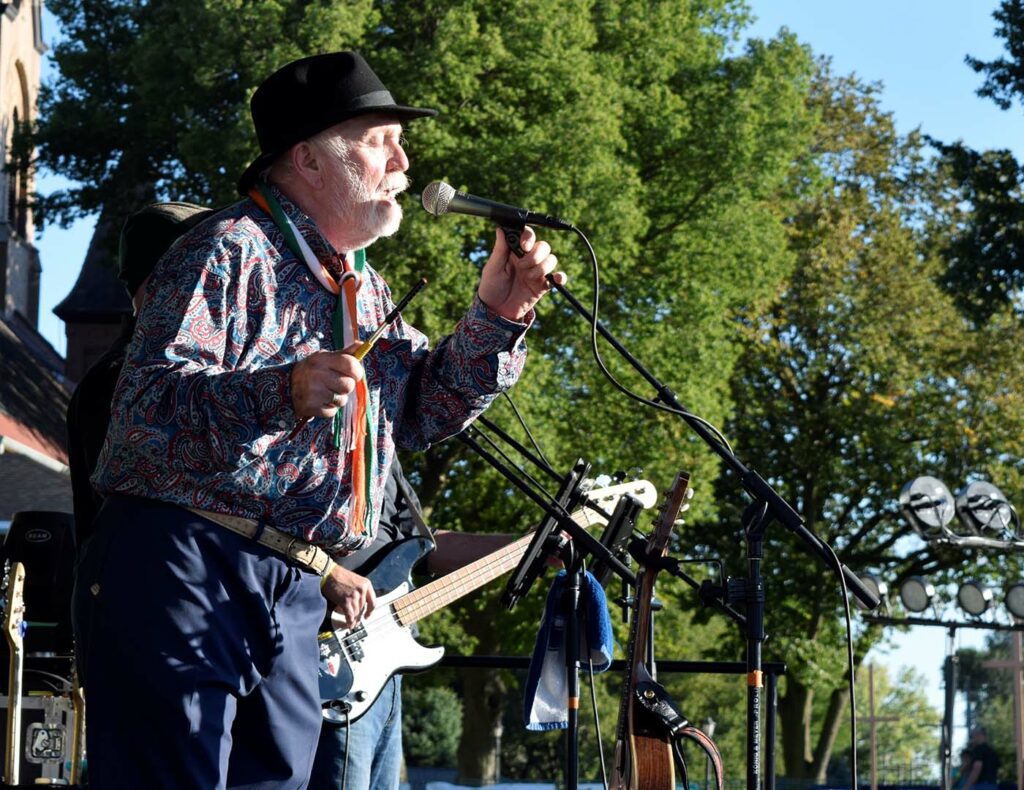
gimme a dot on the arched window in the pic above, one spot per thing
(11, 176)
(17, 167)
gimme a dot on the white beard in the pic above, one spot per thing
(359, 219)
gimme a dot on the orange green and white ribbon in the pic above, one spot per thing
(353, 420)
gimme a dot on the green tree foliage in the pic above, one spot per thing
(981, 218)
(151, 101)
(983, 226)
(1004, 76)
(431, 724)
(906, 728)
(860, 377)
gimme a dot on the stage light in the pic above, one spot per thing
(875, 586)
(916, 594)
(986, 511)
(928, 505)
(1015, 600)
(974, 598)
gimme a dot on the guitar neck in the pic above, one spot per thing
(436, 595)
(14, 613)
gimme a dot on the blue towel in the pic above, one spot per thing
(545, 702)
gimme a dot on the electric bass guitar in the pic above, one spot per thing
(356, 663)
(14, 624)
(644, 758)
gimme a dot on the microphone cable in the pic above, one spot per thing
(595, 304)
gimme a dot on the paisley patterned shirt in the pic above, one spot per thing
(203, 408)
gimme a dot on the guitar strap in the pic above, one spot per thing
(414, 510)
(656, 701)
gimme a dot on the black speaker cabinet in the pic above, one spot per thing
(44, 542)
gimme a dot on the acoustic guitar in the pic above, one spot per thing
(643, 752)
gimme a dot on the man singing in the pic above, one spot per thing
(248, 443)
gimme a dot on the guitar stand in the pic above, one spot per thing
(664, 715)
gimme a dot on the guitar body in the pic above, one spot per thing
(652, 764)
(643, 755)
(353, 667)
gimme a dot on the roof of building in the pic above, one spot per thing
(33, 395)
(31, 482)
(98, 296)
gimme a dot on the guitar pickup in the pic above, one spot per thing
(353, 643)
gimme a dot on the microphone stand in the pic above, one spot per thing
(767, 505)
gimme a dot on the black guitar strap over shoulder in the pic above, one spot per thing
(664, 713)
(413, 503)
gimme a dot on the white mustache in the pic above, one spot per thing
(396, 184)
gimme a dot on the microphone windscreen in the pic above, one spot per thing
(437, 196)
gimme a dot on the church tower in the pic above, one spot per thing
(21, 49)
(33, 397)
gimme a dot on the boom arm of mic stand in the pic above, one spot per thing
(754, 484)
(579, 535)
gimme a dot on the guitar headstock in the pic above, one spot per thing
(676, 502)
(606, 496)
(14, 605)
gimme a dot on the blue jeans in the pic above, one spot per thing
(198, 652)
(372, 746)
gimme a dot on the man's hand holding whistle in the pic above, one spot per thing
(323, 381)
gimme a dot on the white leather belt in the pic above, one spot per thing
(295, 549)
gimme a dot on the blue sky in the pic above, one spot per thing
(915, 48)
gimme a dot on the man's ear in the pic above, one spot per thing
(306, 164)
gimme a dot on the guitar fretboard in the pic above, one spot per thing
(436, 595)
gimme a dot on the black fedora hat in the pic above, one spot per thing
(309, 95)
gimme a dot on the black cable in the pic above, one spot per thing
(522, 422)
(849, 660)
(608, 374)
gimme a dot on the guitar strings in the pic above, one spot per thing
(377, 623)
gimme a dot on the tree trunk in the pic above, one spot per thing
(829, 730)
(800, 759)
(483, 691)
(794, 721)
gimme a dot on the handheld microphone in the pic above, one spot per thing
(441, 198)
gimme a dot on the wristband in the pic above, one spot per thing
(327, 574)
